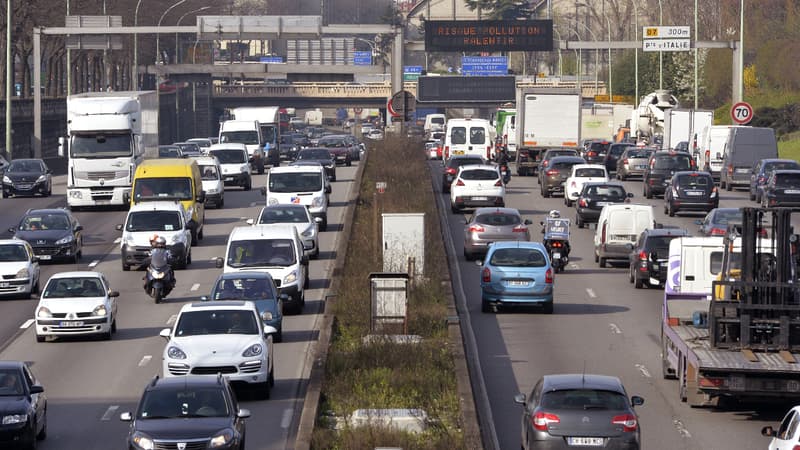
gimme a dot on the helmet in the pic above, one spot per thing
(160, 241)
(153, 238)
(554, 214)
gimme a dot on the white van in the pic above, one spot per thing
(305, 185)
(232, 159)
(211, 176)
(618, 228)
(712, 149)
(276, 249)
(510, 135)
(434, 122)
(469, 137)
(164, 218)
(246, 132)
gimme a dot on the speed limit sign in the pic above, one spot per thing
(741, 113)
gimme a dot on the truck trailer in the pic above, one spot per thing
(546, 118)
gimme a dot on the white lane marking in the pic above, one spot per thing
(591, 293)
(27, 324)
(614, 328)
(287, 418)
(171, 319)
(574, 266)
(195, 287)
(253, 204)
(109, 412)
(117, 240)
(94, 263)
(243, 218)
(643, 370)
(681, 428)
(145, 359)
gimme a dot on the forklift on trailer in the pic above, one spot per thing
(742, 339)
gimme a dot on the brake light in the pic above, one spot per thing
(552, 172)
(476, 229)
(603, 233)
(486, 275)
(520, 229)
(761, 179)
(556, 244)
(541, 421)
(459, 182)
(762, 232)
(450, 170)
(447, 152)
(548, 276)
(711, 382)
(625, 161)
(488, 152)
(628, 422)
(643, 255)
(591, 154)
(499, 183)
(583, 203)
(692, 163)
(717, 232)
(545, 162)
(730, 170)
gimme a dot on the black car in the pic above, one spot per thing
(256, 287)
(690, 191)
(762, 171)
(596, 151)
(660, 168)
(27, 177)
(594, 196)
(452, 165)
(339, 147)
(649, 259)
(189, 149)
(556, 173)
(579, 410)
(550, 154)
(53, 234)
(190, 412)
(321, 155)
(23, 405)
(615, 151)
(287, 147)
(170, 151)
(782, 189)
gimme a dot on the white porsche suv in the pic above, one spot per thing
(224, 337)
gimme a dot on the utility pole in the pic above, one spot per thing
(9, 79)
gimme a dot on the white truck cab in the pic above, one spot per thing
(305, 185)
(247, 132)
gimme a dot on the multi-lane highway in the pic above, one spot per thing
(601, 324)
(89, 382)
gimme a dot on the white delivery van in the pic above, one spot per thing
(233, 163)
(618, 228)
(434, 122)
(246, 132)
(712, 149)
(469, 137)
(211, 176)
(276, 249)
(510, 135)
(303, 185)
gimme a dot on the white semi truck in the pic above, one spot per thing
(109, 134)
(546, 118)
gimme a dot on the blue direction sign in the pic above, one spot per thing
(362, 58)
(271, 59)
(412, 69)
(484, 66)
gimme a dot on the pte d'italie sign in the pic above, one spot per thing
(488, 35)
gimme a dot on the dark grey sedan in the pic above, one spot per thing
(488, 225)
(579, 410)
(632, 163)
(27, 177)
(557, 172)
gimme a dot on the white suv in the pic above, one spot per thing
(19, 268)
(166, 219)
(224, 337)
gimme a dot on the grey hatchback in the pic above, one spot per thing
(557, 172)
(579, 410)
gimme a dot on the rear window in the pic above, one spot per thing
(498, 219)
(480, 174)
(590, 173)
(638, 154)
(458, 162)
(698, 181)
(458, 135)
(608, 193)
(617, 149)
(658, 244)
(553, 154)
(599, 146)
(477, 135)
(672, 162)
(783, 165)
(564, 165)
(788, 180)
(583, 399)
(518, 257)
(295, 182)
(725, 216)
(230, 156)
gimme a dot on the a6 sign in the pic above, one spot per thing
(741, 113)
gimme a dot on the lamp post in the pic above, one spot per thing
(161, 19)
(374, 49)
(179, 24)
(9, 77)
(695, 54)
(596, 55)
(661, 53)
(636, 51)
(69, 63)
(741, 51)
(560, 65)
(610, 87)
(136, 47)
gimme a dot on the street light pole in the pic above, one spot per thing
(695, 54)
(136, 48)
(179, 24)
(161, 19)
(596, 56)
(661, 53)
(741, 51)
(9, 77)
(636, 51)
(69, 63)
(610, 87)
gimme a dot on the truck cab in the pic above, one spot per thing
(245, 132)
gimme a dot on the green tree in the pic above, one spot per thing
(501, 9)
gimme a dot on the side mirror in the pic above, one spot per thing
(719, 155)
(126, 417)
(204, 298)
(219, 263)
(243, 413)
(79, 228)
(698, 222)
(118, 227)
(630, 195)
(165, 333)
(62, 144)
(250, 222)
(126, 197)
(12, 230)
(35, 259)
(328, 189)
(202, 197)
(113, 294)
(519, 398)
(268, 329)
(308, 245)
(318, 220)
(48, 171)
(768, 432)
(36, 389)
(264, 191)
(637, 401)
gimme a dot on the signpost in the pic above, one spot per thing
(488, 35)
(484, 66)
(411, 73)
(741, 113)
(271, 59)
(402, 104)
(666, 39)
(362, 58)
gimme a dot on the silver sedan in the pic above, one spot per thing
(487, 225)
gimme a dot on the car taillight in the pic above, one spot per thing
(520, 229)
(628, 422)
(625, 161)
(486, 275)
(459, 183)
(548, 276)
(761, 179)
(541, 420)
(590, 154)
(488, 152)
(692, 163)
(762, 232)
(476, 229)
(583, 203)
(450, 171)
(545, 163)
(499, 183)
(730, 170)
(552, 172)
(717, 232)
(643, 255)
(603, 233)
(556, 244)
(710, 382)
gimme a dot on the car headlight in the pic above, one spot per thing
(272, 201)
(244, 168)
(142, 441)
(23, 273)
(100, 310)
(291, 278)
(221, 439)
(177, 238)
(11, 419)
(65, 240)
(76, 194)
(7, 180)
(175, 353)
(317, 201)
(253, 350)
(44, 313)
(41, 179)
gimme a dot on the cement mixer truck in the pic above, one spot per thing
(647, 120)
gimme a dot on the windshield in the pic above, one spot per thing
(160, 188)
(25, 166)
(243, 289)
(154, 221)
(169, 152)
(518, 257)
(295, 182)
(10, 383)
(216, 321)
(284, 215)
(230, 156)
(36, 222)
(101, 146)
(590, 173)
(261, 253)
(247, 137)
(73, 287)
(268, 133)
(183, 402)
(209, 173)
(314, 154)
(458, 135)
(13, 252)
(584, 399)
(605, 192)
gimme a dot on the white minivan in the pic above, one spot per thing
(211, 176)
(276, 249)
(304, 185)
(469, 137)
(618, 228)
(434, 122)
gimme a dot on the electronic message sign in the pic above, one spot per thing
(488, 35)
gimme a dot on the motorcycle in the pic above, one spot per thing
(556, 241)
(505, 173)
(159, 279)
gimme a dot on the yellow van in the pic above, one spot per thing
(172, 179)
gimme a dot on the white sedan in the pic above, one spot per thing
(787, 436)
(19, 268)
(581, 174)
(477, 185)
(76, 303)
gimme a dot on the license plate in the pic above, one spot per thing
(743, 170)
(458, 152)
(556, 255)
(228, 178)
(517, 283)
(791, 191)
(601, 203)
(44, 257)
(480, 199)
(71, 324)
(591, 441)
(694, 193)
(640, 167)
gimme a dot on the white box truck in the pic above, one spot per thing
(269, 122)
(246, 132)
(108, 135)
(546, 118)
(686, 125)
(314, 117)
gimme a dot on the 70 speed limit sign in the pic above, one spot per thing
(741, 113)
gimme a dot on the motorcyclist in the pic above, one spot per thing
(160, 255)
(553, 215)
(503, 159)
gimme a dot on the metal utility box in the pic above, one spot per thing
(403, 239)
(389, 300)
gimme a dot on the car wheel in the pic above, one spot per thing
(324, 225)
(194, 237)
(125, 267)
(579, 221)
(596, 257)
(758, 199)
(728, 187)
(752, 196)
(547, 308)
(545, 192)
(630, 273)
(189, 258)
(248, 185)
(42, 434)
(671, 210)
(454, 209)
(602, 262)
(621, 177)
(261, 167)
(648, 193)
(263, 390)
(468, 256)
(200, 234)
(567, 201)
(485, 306)
(279, 335)
(5, 195)
(638, 283)
(114, 325)
(36, 287)
(349, 163)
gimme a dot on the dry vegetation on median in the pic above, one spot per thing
(384, 374)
